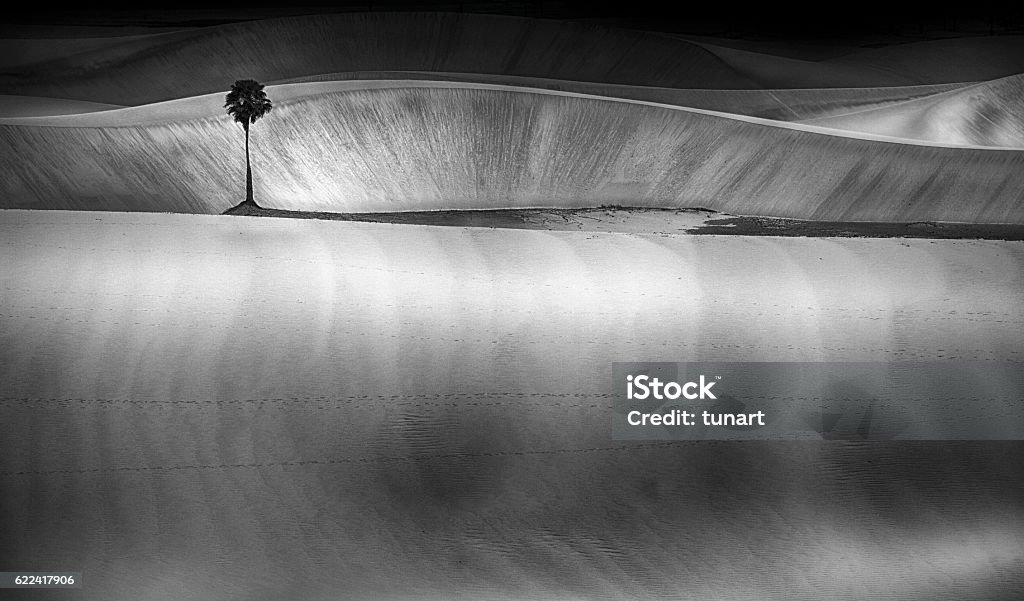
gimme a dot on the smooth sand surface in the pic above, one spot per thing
(925, 62)
(201, 407)
(814, 50)
(745, 103)
(202, 60)
(783, 105)
(18, 107)
(533, 113)
(206, 60)
(771, 71)
(21, 52)
(416, 145)
(779, 104)
(989, 113)
(943, 61)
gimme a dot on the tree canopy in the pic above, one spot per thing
(247, 102)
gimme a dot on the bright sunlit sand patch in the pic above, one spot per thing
(357, 146)
(989, 114)
(243, 404)
(245, 282)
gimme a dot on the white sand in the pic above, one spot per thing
(989, 113)
(202, 269)
(211, 105)
(363, 340)
(415, 145)
(778, 104)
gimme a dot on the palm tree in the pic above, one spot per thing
(247, 102)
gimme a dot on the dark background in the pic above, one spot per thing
(851, 20)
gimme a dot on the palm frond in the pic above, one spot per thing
(247, 102)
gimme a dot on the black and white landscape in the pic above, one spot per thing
(391, 379)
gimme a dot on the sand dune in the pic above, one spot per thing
(223, 407)
(943, 61)
(770, 71)
(17, 107)
(990, 114)
(931, 62)
(206, 407)
(779, 104)
(24, 52)
(554, 114)
(813, 101)
(420, 147)
(206, 60)
(816, 50)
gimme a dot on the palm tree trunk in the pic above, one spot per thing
(248, 169)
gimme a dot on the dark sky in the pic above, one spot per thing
(738, 18)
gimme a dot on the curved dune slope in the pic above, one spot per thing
(22, 52)
(770, 71)
(815, 50)
(17, 107)
(202, 407)
(766, 106)
(944, 61)
(989, 114)
(778, 104)
(932, 62)
(422, 148)
(207, 60)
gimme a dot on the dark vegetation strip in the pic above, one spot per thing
(768, 226)
(719, 225)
